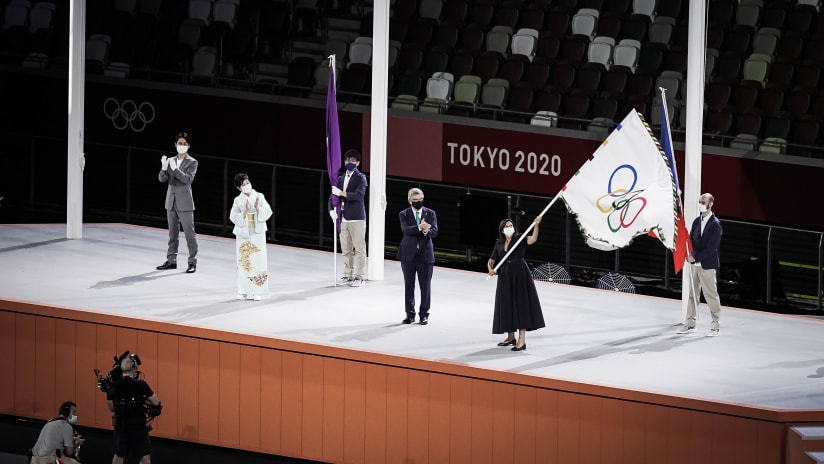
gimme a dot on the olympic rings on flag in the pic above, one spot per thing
(128, 114)
(620, 201)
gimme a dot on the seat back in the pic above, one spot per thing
(600, 52)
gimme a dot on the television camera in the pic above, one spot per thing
(105, 383)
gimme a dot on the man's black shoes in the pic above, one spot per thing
(408, 320)
(166, 265)
(191, 269)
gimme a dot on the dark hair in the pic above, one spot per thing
(184, 136)
(66, 408)
(239, 178)
(501, 226)
(352, 153)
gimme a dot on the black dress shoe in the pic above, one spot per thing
(191, 269)
(507, 343)
(425, 320)
(522, 348)
(408, 320)
(166, 265)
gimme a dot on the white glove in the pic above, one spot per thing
(164, 162)
(173, 163)
(335, 191)
(333, 214)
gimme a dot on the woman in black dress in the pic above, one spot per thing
(516, 300)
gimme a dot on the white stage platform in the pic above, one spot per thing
(592, 336)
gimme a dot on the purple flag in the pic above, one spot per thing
(333, 138)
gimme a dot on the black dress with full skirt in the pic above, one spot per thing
(516, 299)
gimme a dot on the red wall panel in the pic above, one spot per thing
(167, 384)
(417, 431)
(188, 393)
(460, 419)
(271, 402)
(45, 358)
(66, 371)
(334, 388)
(483, 410)
(312, 399)
(229, 403)
(525, 424)
(8, 341)
(399, 436)
(292, 417)
(354, 412)
(439, 418)
(376, 424)
(250, 391)
(25, 377)
(208, 375)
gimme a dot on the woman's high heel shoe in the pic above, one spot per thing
(507, 343)
(522, 348)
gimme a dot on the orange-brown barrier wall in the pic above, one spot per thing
(338, 405)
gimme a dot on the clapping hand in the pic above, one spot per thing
(335, 191)
(164, 162)
(257, 201)
(173, 163)
(425, 226)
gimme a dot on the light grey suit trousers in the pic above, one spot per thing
(180, 207)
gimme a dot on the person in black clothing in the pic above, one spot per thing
(516, 300)
(127, 399)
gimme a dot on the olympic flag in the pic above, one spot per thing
(333, 137)
(625, 189)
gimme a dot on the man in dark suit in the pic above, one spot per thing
(416, 254)
(705, 259)
(179, 172)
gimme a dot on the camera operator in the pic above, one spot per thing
(57, 438)
(127, 399)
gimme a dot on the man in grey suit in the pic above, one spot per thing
(179, 171)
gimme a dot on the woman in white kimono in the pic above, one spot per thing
(250, 211)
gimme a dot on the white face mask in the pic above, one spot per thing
(702, 208)
(246, 188)
(508, 231)
(181, 149)
(72, 419)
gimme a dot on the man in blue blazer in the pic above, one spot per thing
(351, 189)
(416, 254)
(706, 239)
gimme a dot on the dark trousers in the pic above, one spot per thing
(424, 273)
(187, 219)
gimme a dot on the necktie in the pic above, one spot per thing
(418, 217)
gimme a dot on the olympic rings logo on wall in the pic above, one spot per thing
(128, 114)
(623, 202)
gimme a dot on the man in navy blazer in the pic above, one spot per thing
(416, 254)
(351, 189)
(706, 239)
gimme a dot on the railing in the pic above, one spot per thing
(762, 263)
